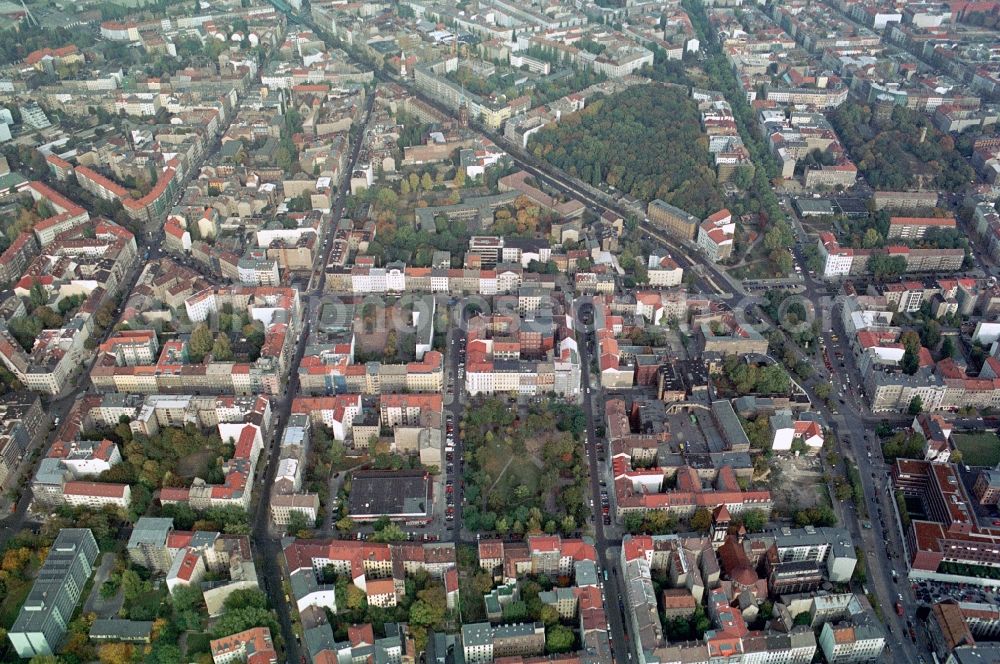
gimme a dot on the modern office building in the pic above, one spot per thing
(41, 624)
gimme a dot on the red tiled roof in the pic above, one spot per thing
(451, 580)
(102, 181)
(57, 161)
(361, 635)
(173, 494)
(188, 565)
(157, 191)
(380, 587)
(97, 489)
(719, 216)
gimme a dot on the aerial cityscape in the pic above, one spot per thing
(472, 331)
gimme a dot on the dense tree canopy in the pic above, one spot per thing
(896, 156)
(156, 461)
(559, 639)
(741, 377)
(646, 142)
(519, 498)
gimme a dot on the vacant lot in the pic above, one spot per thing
(796, 484)
(195, 465)
(979, 449)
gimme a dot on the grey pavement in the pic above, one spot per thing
(104, 608)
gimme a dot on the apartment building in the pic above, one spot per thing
(147, 545)
(335, 412)
(363, 562)
(361, 644)
(410, 409)
(830, 548)
(185, 558)
(431, 80)
(814, 97)
(664, 272)
(505, 278)
(916, 228)
(21, 421)
(256, 268)
(987, 487)
(672, 219)
(238, 473)
(848, 643)
(67, 213)
(905, 200)
(716, 236)
(104, 257)
(841, 261)
(644, 489)
(287, 496)
(253, 646)
(929, 260)
(97, 495)
(52, 359)
(15, 259)
(132, 347)
(483, 643)
(947, 629)
(278, 309)
(692, 569)
(591, 282)
(722, 333)
(98, 185)
(118, 31)
(541, 554)
(154, 206)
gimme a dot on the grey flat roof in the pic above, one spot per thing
(814, 205)
(374, 493)
(123, 630)
(729, 422)
(150, 530)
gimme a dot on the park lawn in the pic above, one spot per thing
(198, 642)
(978, 449)
(518, 470)
(525, 472)
(10, 605)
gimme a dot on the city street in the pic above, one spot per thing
(454, 373)
(267, 544)
(607, 550)
(882, 543)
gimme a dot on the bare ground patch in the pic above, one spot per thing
(195, 465)
(795, 484)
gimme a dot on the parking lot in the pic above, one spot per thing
(931, 592)
(694, 431)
